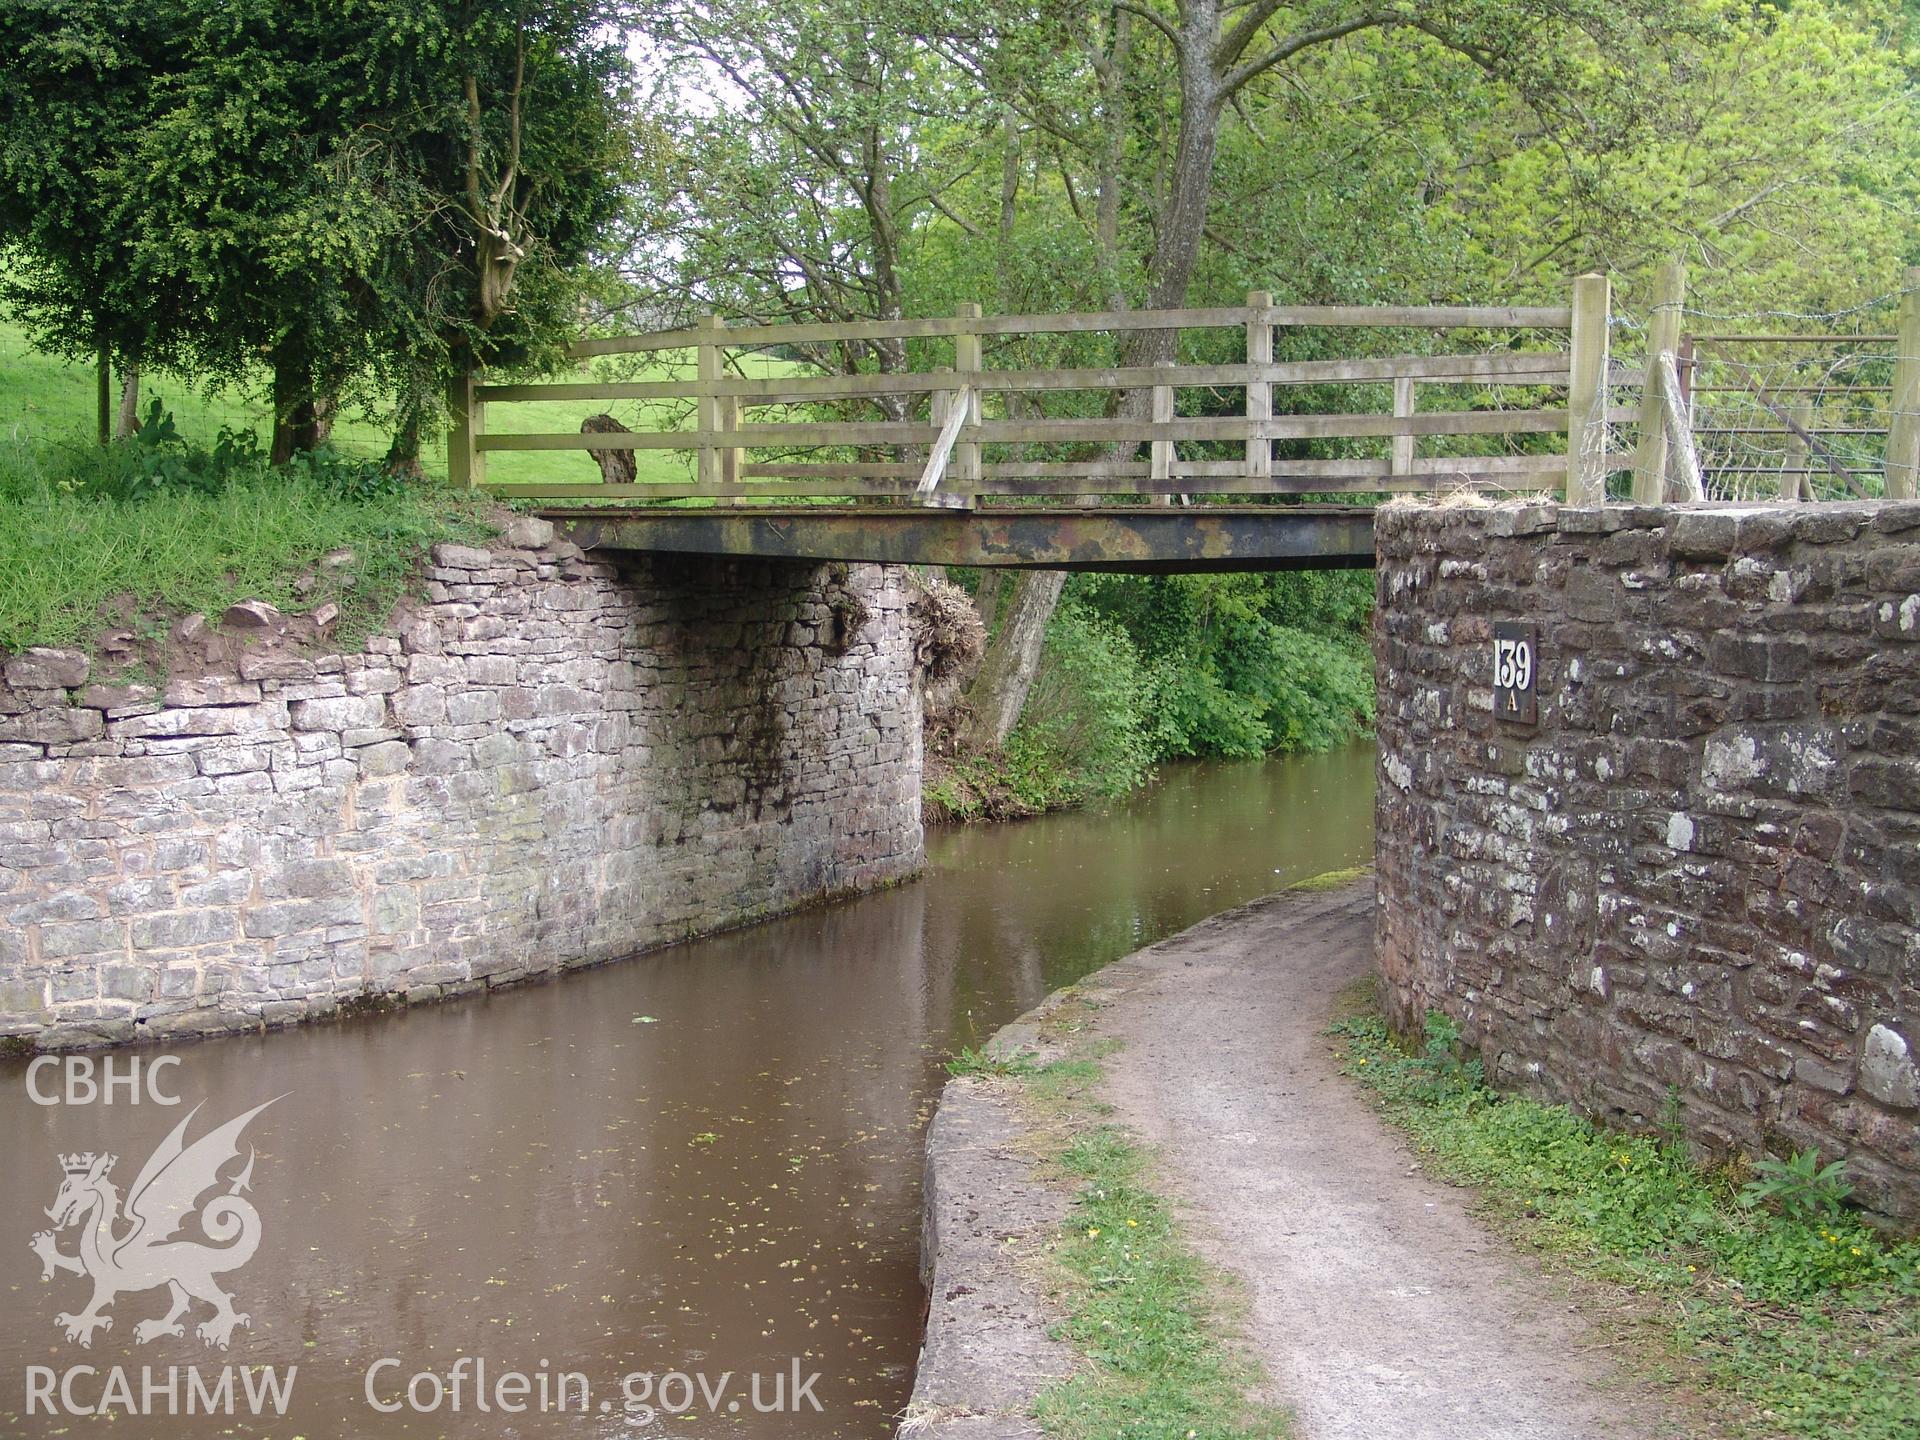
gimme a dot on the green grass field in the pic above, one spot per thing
(45, 398)
(82, 545)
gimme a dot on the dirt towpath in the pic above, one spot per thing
(1382, 1308)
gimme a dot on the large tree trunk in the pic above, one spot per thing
(1013, 655)
(296, 422)
(129, 417)
(1183, 213)
(403, 453)
(999, 691)
(1111, 68)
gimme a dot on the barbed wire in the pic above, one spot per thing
(1767, 413)
(1809, 424)
(1624, 318)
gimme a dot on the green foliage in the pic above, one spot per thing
(1081, 736)
(1805, 1313)
(76, 95)
(1142, 668)
(1083, 717)
(1803, 1188)
(353, 197)
(1245, 665)
(1441, 1072)
(173, 529)
(972, 1060)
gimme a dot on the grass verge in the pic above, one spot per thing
(1153, 1320)
(81, 550)
(1802, 1321)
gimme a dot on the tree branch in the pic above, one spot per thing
(1159, 22)
(965, 224)
(1303, 40)
(1234, 43)
(504, 189)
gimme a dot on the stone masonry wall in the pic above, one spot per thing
(1701, 868)
(551, 760)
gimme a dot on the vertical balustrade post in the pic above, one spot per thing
(712, 413)
(1259, 392)
(1795, 482)
(967, 361)
(466, 423)
(732, 461)
(1650, 458)
(1903, 416)
(1161, 467)
(1400, 458)
(1587, 392)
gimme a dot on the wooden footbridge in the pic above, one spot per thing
(1030, 441)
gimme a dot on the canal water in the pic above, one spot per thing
(704, 1162)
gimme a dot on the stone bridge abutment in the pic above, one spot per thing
(548, 760)
(1695, 873)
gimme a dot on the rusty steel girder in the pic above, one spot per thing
(1140, 539)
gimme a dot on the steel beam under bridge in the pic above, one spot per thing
(1152, 540)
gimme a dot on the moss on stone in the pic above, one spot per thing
(1331, 879)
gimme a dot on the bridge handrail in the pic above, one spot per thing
(1409, 317)
(722, 436)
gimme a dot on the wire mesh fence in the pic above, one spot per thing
(1769, 405)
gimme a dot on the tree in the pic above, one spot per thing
(387, 196)
(74, 94)
(1557, 57)
(361, 200)
(843, 133)
(521, 144)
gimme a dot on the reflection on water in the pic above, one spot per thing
(706, 1159)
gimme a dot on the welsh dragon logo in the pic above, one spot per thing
(137, 1250)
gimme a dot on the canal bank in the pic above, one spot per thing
(706, 1158)
(1373, 1299)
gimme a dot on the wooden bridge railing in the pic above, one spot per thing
(975, 439)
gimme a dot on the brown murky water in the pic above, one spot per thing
(703, 1162)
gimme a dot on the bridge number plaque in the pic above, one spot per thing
(1516, 650)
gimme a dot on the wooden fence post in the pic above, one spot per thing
(967, 359)
(1795, 482)
(1259, 392)
(466, 423)
(1663, 338)
(1587, 392)
(1400, 448)
(711, 413)
(732, 462)
(1903, 418)
(1162, 463)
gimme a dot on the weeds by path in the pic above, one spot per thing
(1152, 1319)
(1797, 1319)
